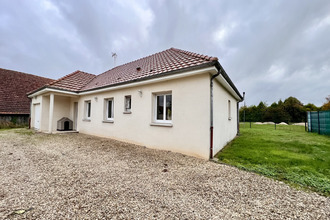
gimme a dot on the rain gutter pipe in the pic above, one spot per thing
(211, 112)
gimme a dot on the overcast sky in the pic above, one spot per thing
(270, 49)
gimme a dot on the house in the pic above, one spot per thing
(14, 104)
(174, 100)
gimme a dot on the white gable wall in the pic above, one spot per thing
(224, 129)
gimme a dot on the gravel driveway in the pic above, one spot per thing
(76, 176)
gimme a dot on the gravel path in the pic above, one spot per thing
(76, 176)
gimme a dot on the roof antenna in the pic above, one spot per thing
(114, 55)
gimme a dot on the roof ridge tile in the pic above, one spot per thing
(197, 55)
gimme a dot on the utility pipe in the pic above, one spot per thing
(211, 112)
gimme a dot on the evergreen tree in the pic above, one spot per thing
(326, 105)
(295, 109)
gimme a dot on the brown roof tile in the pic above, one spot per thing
(13, 88)
(157, 64)
(72, 82)
(151, 66)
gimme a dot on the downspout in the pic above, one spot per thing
(211, 112)
(238, 112)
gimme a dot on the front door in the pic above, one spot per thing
(37, 116)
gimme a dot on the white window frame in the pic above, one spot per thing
(128, 106)
(229, 110)
(164, 121)
(106, 109)
(88, 108)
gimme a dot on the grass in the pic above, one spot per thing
(8, 125)
(288, 154)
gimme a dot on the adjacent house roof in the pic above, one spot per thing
(170, 61)
(13, 88)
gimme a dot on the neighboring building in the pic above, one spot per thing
(14, 103)
(162, 101)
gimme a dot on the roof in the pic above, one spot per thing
(73, 82)
(167, 62)
(154, 65)
(13, 88)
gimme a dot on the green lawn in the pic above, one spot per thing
(288, 153)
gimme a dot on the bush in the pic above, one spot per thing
(10, 124)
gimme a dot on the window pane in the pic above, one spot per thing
(88, 109)
(109, 108)
(160, 107)
(127, 103)
(168, 107)
(229, 109)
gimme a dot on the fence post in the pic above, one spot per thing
(310, 115)
(318, 120)
(307, 113)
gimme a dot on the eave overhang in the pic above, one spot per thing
(210, 68)
(50, 90)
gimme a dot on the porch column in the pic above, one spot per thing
(51, 112)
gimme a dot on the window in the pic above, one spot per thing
(163, 105)
(109, 109)
(88, 108)
(229, 110)
(128, 103)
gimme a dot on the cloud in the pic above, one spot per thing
(271, 50)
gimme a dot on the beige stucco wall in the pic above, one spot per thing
(224, 130)
(190, 131)
(190, 106)
(63, 107)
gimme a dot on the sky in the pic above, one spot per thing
(270, 49)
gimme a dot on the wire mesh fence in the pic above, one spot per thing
(276, 126)
(319, 122)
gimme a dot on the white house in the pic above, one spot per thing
(174, 100)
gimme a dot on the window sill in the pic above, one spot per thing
(127, 112)
(161, 124)
(85, 119)
(108, 121)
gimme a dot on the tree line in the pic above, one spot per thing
(289, 111)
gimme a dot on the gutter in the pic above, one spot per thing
(226, 77)
(211, 112)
